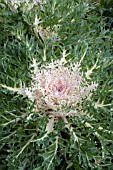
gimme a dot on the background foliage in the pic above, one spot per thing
(80, 25)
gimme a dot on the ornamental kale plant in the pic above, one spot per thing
(56, 86)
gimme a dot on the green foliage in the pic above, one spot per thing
(105, 8)
(24, 143)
